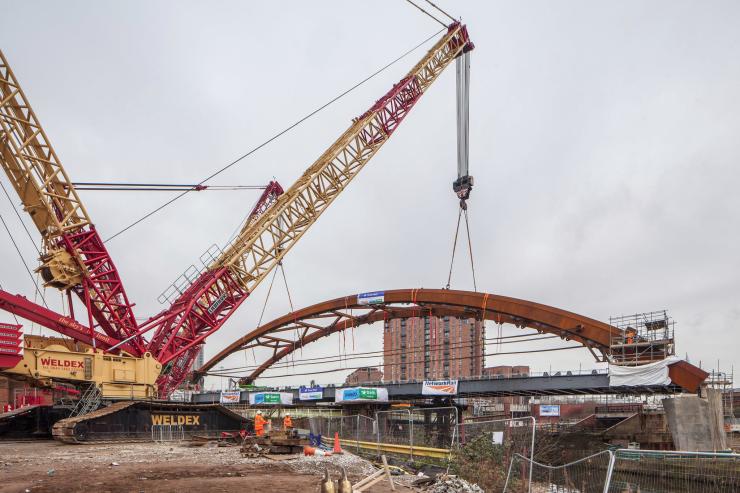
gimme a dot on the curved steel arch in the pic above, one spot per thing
(296, 329)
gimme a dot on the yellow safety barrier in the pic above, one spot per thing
(393, 448)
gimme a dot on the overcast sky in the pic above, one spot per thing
(604, 145)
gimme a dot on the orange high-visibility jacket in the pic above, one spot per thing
(259, 422)
(287, 422)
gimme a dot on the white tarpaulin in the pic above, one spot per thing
(649, 374)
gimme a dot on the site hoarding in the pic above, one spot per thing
(549, 410)
(314, 393)
(271, 398)
(439, 387)
(361, 394)
(230, 396)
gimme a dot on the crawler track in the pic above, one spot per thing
(138, 421)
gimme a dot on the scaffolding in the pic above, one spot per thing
(722, 381)
(642, 338)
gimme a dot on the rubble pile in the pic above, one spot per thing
(452, 484)
(314, 464)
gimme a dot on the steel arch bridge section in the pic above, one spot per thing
(297, 329)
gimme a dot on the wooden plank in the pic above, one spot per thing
(365, 480)
(388, 472)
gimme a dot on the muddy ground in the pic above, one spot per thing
(49, 466)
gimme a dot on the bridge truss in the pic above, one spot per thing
(295, 330)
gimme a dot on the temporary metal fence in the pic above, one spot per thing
(434, 427)
(631, 471)
(394, 428)
(356, 432)
(587, 475)
(681, 472)
(484, 449)
(168, 433)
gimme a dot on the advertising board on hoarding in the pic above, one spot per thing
(271, 398)
(549, 410)
(373, 298)
(361, 394)
(314, 393)
(439, 387)
(230, 396)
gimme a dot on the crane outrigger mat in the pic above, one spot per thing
(30, 422)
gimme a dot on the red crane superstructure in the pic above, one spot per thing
(75, 259)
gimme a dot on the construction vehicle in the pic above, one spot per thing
(111, 356)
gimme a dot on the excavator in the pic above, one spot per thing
(125, 370)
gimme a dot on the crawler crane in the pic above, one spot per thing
(114, 358)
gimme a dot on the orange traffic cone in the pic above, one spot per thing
(337, 448)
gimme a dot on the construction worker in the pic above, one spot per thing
(287, 422)
(259, 424)
(630, 335)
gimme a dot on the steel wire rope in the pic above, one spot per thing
(30, 238)
(398, 364)
(487, 342)
(454, 247)
(373, 354)
(427, 13)
(14, 315)
(470, 250)
(28, 233)
(158, 187)
(276, 136)
(262, 314)
(33, 280)
(290, 302)
(445, 13)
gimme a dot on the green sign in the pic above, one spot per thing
(368, 394)
(271, 398)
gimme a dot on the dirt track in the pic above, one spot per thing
(48, 466)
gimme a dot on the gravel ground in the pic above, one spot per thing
(48, 466)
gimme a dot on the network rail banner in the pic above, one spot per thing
(439, 387)
(271, 398)
(314, 393)
(361, 394)
(230, 396)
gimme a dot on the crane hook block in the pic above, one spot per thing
(462, 187)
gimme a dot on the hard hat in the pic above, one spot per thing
(259, 412)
